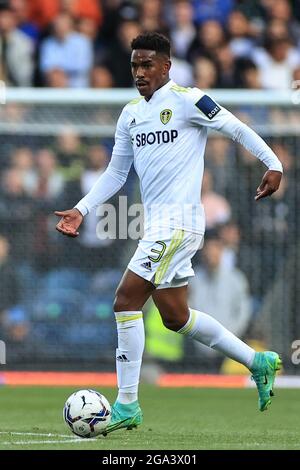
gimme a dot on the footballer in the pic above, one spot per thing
(163, 133)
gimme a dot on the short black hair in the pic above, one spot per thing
(153, 42)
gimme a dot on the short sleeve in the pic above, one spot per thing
(123, 144)
(203, 110)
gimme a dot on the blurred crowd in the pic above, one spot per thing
(86, 43)
(54, 290)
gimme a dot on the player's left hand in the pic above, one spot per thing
(269, 184)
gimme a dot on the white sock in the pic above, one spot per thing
(209, 331)
(131, 342)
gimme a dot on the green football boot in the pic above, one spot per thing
(264, 368)
(124, 416)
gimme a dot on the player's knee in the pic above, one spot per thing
(124, 301)
(121, 302)
(174, 323)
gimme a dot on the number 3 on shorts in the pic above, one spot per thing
(160, 253)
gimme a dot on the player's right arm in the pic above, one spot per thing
(106, 186)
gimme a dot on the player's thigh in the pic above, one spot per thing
(132, 292)
(172, 304)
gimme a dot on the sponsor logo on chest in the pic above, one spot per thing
(155, 137)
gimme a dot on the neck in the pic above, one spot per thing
(147, 98)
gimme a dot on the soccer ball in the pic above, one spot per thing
(87, 413)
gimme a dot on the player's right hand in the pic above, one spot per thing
(69, 222)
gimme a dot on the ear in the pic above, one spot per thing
(166, 67)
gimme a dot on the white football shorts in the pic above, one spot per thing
(166, 261)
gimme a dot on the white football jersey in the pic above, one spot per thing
(166, 137)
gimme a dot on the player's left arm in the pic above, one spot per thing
(243, 134)
(203, 110)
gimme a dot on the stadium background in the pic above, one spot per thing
(56, 294)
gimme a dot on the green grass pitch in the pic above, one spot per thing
(31, 418)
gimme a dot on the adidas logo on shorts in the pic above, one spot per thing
(147, 265)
